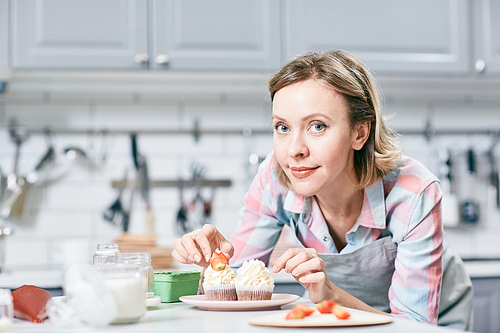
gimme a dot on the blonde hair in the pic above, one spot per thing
(344, 73)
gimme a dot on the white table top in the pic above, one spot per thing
(180, 317)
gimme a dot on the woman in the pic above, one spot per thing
(367, 220)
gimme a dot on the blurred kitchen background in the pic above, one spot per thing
(80, 80)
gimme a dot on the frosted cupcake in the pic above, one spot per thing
(219, 279)
(253, 281)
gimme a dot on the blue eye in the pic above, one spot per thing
(319, 127)
(281, 128)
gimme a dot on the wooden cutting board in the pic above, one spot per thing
(161, 257)
(322, 320)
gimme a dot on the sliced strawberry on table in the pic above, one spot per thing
(325, 306)
(340, 312)
(218, 260)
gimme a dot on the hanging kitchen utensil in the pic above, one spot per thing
(144, 182)
(470, 207)
(13, 190)
(142, 174)
(115, 213)
(128, 210)
(449, 202)
(207, 212)
(181, 219)
(32, 177)
(494, 177)
(196, 211)
(3, 183)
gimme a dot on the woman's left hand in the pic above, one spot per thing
(308, 269)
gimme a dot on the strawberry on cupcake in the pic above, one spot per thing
(219, 279)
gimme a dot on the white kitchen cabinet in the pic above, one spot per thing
(389, 36)
(4, 33)
(486, 305)
(142, 34)
(216, 35)
(78, 34)
(487, 36)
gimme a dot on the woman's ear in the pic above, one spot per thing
(360, 135)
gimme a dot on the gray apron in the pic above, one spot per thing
(366, 273)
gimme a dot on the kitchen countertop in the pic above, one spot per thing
(483, 268)
(180, 317)
(47, 279)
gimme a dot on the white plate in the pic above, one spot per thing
(357, 318)
(275, 302)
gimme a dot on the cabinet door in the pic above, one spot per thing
(486, 305)
(487, 36)
(4, 34)
(216, 35)
(78, 34)
(389, 36)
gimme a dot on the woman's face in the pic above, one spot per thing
(313, 141)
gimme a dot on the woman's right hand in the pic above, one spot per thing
(197, 246)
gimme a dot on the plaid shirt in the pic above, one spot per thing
(405, 205)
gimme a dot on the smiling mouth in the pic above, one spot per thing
(302, 172)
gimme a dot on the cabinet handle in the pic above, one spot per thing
(142, 58)
(480, 65)
(162, 59)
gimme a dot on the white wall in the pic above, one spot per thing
(71, 206)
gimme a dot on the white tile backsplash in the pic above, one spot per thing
(72, 202)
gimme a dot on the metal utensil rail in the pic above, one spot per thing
(179, 183)
(196, 132)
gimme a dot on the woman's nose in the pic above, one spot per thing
(297, 146)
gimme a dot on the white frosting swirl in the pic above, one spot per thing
(213, 277)
(253, 273)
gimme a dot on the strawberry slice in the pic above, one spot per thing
(295, 314)
(325, 306)
(304, 308)
(218, 260)
(340, 312)
(300, 311)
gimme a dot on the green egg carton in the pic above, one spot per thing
(173, 284)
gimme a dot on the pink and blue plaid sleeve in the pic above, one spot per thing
(416, 283)
(259, 229)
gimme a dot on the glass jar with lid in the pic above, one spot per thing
(142, 259)
(126, 284)
(99, 295)
(105, 254)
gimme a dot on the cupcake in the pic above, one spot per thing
(219, 279)
(253, 281)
